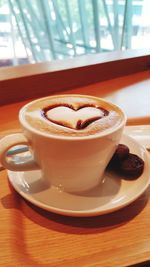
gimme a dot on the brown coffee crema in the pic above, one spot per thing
(72, 115)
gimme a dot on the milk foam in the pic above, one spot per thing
(64, 112)
(68, 117)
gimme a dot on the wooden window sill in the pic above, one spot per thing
(36, 80)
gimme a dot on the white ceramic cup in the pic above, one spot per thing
(70, 163)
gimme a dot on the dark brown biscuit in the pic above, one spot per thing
(127, 164)
(132, 166)
(121, 153)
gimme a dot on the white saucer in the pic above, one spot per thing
(112, 194)
(141, 133)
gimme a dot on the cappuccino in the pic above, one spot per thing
(71, 115)
(71, 139)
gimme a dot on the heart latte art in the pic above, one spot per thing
(72, 115)
(75, 119)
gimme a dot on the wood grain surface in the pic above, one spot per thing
(30, 236)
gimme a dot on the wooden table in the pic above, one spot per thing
(30, 236)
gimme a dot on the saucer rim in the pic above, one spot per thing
(83, 213)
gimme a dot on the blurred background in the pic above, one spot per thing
(45, 30)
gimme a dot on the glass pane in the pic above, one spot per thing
(41, 30)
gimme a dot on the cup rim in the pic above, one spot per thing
(27, 126)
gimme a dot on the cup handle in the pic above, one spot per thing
(12, 140)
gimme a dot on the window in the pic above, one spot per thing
(44, 30)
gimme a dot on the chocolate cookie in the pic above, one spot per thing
(132, 166)
(121, 153)
(125, 163)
